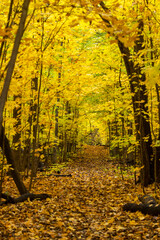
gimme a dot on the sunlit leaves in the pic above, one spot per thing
(83, 57)
(153, 75)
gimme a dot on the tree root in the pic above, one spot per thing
(23, 198)
(148, 206)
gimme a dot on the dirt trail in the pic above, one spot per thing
(86, 206)
(92, 157)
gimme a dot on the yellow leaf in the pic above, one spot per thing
(74, 23)
(118, 228)
(111, 220)
(60, 224)
(132, 222)
(71, 228)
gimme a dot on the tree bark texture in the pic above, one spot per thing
(139, 99)
(4, 144)
(141, 116)
(12, 61)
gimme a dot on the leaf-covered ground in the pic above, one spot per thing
(86, 206)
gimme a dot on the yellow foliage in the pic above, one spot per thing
(153, 75)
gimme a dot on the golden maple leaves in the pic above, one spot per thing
(86, 206)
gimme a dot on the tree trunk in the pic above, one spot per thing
(4, 144)
(12, 61)
(140, 100)
(55, 148)
(17, 136)
(158, 100)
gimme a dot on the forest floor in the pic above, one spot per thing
(86, 206)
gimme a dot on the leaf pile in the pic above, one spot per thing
(86, 206)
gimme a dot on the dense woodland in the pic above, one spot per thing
(74, 74)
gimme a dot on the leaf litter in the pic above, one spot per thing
(86, 206)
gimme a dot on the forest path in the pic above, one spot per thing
(91, 157)
(86, 206)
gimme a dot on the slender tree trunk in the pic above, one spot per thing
(12, 61)
(55, 148)
(158, 100)
(5, 145)
(3, 47)
(157, 148)
(34, 106)
(139, 100)
(17, 137)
